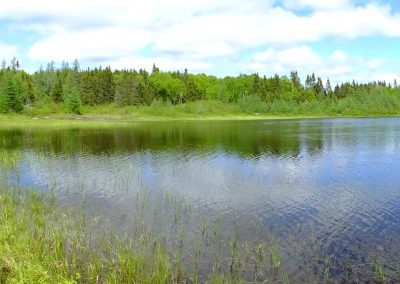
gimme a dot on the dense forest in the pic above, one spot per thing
(73, 87)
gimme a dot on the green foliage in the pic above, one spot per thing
(73, 102)
(252, 104)
(168, 88)
(97, 86)
(10, 94)
(40, 245)
(234, 88)
(249, 94)
(56, 91)
(72, 92)
(124, 89)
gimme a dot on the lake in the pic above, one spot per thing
(312, 193)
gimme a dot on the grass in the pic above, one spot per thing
(43, 242)
(56, 115)
(9, 158)
(39, 244)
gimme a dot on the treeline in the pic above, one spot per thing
(74, 87)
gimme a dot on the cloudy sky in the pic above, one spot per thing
(340, 39)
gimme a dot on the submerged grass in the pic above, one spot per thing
(39, 244)
(44, 242)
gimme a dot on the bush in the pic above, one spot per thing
(74, 103)
(252, 104)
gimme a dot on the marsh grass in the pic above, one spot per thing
(160, 239)
(9, 158)
(39, 244)
(43, 242)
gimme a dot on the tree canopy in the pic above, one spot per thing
(75, 87)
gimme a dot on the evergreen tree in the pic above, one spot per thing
(87, 88)
(257, 86)
(71, 90)
(56, 92)
(155, 70)
(277, 87)
(14, 64)
(124, 90)
(10, 99)
(337, 90)
(295, 80)
(76, 66)
(319, 87)
(328, 88)
(73, 102)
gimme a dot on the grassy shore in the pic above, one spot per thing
(56, 115)
(41, 244)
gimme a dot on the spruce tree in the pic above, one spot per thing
(56, 92)
(71, 90)
(328, 88)
(10, 99)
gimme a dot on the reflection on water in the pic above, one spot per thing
(335, 182)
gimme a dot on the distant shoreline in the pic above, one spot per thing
(62, 120)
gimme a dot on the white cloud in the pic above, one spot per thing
(389, 77)
(376, 63)
(165, 63)
(301, 58)
(93, 44)
(339, 66)
(198, 32)
(8, 51)
(339, 56)
(315, 4)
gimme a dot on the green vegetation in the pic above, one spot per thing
(43, 242)
(181, 94)
(39, 244)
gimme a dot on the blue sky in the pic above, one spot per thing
(339, 39)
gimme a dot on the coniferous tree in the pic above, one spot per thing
(14, 64)
(56, 92)
(87, 88)
(10, 99)
(328, 88)
(71, 90)
(124, 90)
(319, 87)
(295, 79)
(277, 87)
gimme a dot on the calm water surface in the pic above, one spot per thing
(330, 183)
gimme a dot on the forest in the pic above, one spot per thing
(72, 87)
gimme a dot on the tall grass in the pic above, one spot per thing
(42, 244)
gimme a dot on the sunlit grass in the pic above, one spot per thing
(55, 115)
(39, 244)
(9, 158)
(44, 242)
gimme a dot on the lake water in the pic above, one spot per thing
(317, 189)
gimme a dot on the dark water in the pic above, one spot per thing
(332, 184)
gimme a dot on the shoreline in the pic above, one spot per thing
(92, 120)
